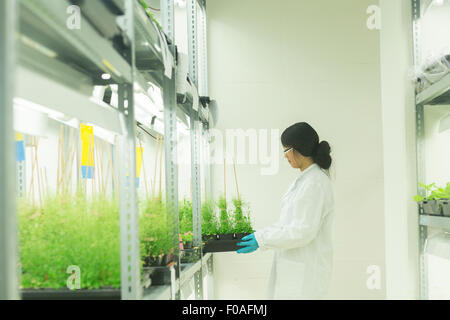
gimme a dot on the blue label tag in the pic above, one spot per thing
(20, 151)
(87, 172)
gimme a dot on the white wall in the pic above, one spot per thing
(437, 146)
(272, 64)
(399, 150)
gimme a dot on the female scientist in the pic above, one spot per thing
(302, 236)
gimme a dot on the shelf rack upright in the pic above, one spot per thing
(8, 237)
(436, 94)
(90, 55)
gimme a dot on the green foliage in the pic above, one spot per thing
(433, 192)
(187, 236)
(69, 231)
(225, 219)
(156, 237)
(209, 219)
(242, 223)
(185, 215)
(229, 221)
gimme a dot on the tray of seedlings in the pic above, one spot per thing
(436, 201)
(223, 233)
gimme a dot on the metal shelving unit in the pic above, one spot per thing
(436, 94)
(8, 249)
(68, 63)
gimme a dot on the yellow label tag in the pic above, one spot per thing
(139, 155)
(87, 145)
(19, 136)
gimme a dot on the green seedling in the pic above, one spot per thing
(242, 223)
(209, 219)
(187, 237)
(155, 233)
(224, 217)
(433, 192)
(69, 231)
(185, 216)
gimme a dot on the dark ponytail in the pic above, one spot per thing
(304, 139)
(321, 156)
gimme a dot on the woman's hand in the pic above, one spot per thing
(249, 245)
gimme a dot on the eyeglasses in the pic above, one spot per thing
(287, 150)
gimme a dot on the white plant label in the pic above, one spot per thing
(374, 280)
(374, 19)
(74, 20)
(74, 280)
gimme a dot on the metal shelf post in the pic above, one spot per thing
(170, 141)
(8, 230)
(129, 223)
(420, 149)
(195, 151)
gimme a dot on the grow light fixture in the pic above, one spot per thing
(23, 104)
(431, 3)
(444, 124)
(181, 3)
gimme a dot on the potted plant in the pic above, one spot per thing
(232, 227)
(225, 231)
(156, 243)
(188, 238)
(242, 223)
(69, 231)
(185, 216)
(444, 200)
(209, 221)
(430, 204)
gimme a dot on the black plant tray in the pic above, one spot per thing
(223, 242)
(67, 294)
(190, 255)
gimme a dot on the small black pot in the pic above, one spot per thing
(150, 261)
(206, 237)
(445, 204)
(160, 260)
(168, 258)
(187, 245)
(431, 207)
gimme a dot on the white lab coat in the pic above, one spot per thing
(302, 239)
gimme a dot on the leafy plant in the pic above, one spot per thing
(155, 233)
(242, 223)
(187, 237)
(66, 231)
(209, 219)
(433, 192)
(185, 215)
(224, 217)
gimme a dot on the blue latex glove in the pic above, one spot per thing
(249, 245)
